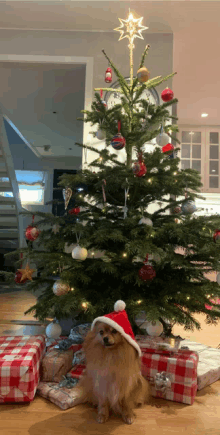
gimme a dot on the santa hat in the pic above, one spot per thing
(118, 320)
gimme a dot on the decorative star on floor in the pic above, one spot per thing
(26, 273)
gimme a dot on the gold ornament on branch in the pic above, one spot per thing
(26, 273)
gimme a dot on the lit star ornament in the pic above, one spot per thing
(26, 273)
(133, 27)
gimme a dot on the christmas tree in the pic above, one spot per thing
(158, 262)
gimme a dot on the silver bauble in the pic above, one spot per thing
(162, 139)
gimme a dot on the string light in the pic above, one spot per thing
(188, 298)
(93, 253)
(139, 302)
(124, 254)
(150, 180)
(175, 173)
(84, 305)
(72, 288)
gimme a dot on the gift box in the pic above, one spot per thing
(56, 364)
(208, 370)
(153, 342)
(60, 396)
(172, 374)
(19, 367)
(77, 371)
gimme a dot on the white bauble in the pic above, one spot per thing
(162, 139)
(79, 253)
(68, 248)
(146, 221)
(53, 330)
(100, 134)
(154, 328)
(218, 278)
(189, 207)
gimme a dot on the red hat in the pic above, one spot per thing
(118, 320)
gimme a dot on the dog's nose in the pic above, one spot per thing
(105, 339)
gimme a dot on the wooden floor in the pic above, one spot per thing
(163, 417)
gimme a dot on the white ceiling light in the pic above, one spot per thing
(204, 115)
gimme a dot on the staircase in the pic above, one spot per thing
(11, 224)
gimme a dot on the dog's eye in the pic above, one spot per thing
(114, 331)
(101, 332)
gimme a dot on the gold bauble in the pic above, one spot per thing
(143, 74)
(60, 288)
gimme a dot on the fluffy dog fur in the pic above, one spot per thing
(112, 379)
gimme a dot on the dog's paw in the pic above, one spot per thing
(102, 418)
(128, 419)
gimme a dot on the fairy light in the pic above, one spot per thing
(84, 305)
(150, 180)
(188, 298)
(124, 254)
(93, 253)
(139, 302)
(175, 173)
(72, 288)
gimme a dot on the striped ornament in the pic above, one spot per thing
(118, 142)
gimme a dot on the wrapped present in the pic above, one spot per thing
(77, 371)
(155, 342)
(61, 396)
(19, 367)
(172, 375)
(56, 364)
(208, 370)
(79, 332)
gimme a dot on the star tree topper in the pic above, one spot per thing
(133, 28)
(26, 273)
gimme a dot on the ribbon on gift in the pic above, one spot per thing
(162, 382)
(79, 358)
(68, 382)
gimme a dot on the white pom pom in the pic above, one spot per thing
(119, 306)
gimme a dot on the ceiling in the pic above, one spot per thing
(194, 24)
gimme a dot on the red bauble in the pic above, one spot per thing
(167, 95)
(118, 142)
(139, 169)
(216, 235)
(18, 277)
(169, 147)
(108, 75)
(32, 233)
(74, 211)
(147, 272)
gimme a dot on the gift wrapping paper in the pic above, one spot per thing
(60, 396)
(19, 367)
(56, 364)
(181, 366)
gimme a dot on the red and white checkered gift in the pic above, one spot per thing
(19, 367)
(180, 370)
(77, 371)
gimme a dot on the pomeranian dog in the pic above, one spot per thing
(112, 378)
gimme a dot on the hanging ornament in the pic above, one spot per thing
(163, 138)
(102, 101)
(67, 193)
(60, 288)
(79, 253)
(216, 235)
(108, 75)
(147, 272)
(118, 141)
(18, 277)
(26, 273)
(154, 329)
(143, 74)
(32, 232)
(53, 330)
(168, 149)
(56, 228)
(100, 134)
(145, 221)
(167, 95)
(189, 207)
(75, 211)
(139, 168)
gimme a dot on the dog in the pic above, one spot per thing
(112, 378)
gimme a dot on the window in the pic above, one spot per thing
(31, 186)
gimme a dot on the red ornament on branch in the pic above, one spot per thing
(139, 168)
(18, 277)
(216, 235)
(167, 95)
(75, 211)
(169, 147)
(147, 272)
(108, 75)
(32, 232)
